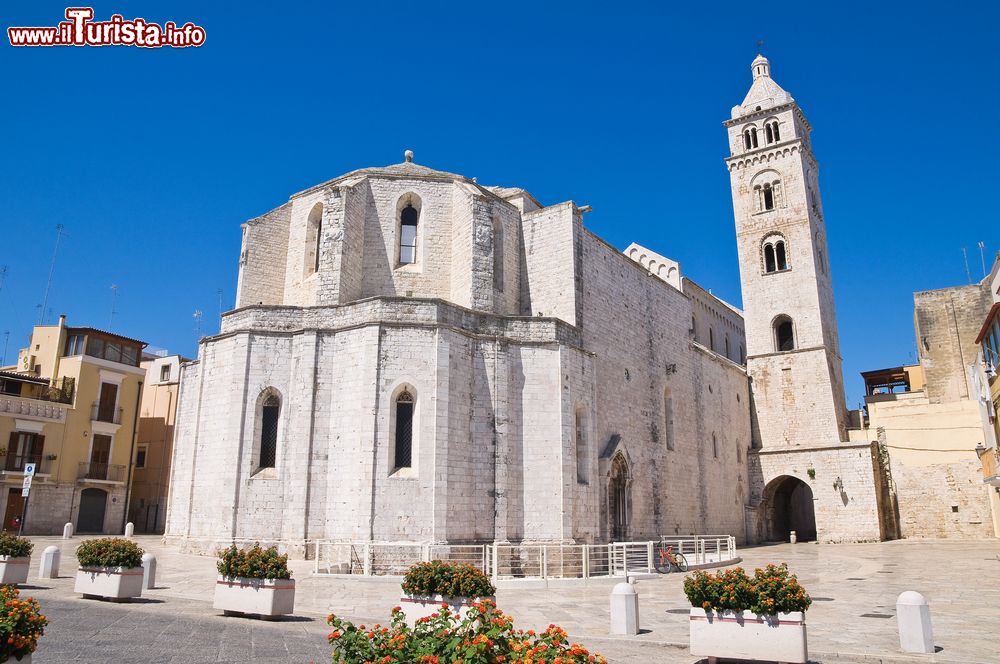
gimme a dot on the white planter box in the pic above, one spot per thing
(420, 606)
(14, 570)
(263, 597)
(729, 635)
(116, 583)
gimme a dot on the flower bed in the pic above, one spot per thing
(428, 586)
(15, 558)
(21, 625)
(254, 581)
(110, 567)
(484, 635)
(737, 616)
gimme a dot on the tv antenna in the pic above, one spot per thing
(60, 231)
(114, 306)
(6, 338)
(965, 255)
(982, 255)
(197, 315)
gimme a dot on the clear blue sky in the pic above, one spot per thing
(151, 159)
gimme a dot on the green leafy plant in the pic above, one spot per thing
(449, 579)
(811, 472)
(21, 624)
(484, 636)
(109, 552)
(770, 590)
(253, 563)
(13, 546)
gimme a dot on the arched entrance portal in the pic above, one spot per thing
(788, 506)
(93, 504)
(619, 501)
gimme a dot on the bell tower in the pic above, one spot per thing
(793, 349)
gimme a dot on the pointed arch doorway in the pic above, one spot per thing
(619, 499)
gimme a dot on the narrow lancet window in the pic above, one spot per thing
(408, 235)
(404, 430)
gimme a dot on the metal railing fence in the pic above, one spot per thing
(519, 561)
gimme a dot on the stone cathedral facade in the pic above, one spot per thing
(416, 357)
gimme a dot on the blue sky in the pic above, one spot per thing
(151, 159)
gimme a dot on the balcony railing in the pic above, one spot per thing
(45, 410)
(102, 413)
(14, 463)
(103, 472)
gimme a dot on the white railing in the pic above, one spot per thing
(703, 549)
(36, 408)
(519, 561)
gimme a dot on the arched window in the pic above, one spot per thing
(743, 355)
(668, 419)
(774, 130)
(269, 416)
(409, 217)
(403, 457)
(711, 339)
(746, 139)
(582, 457)
(727, 346)
(775, 254)
(769, 258)
(779, 255)
(498, 255)
(768, 133)
(784, 335)
(768, 197)
(753, 136)
(314, 239)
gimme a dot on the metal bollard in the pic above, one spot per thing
(624, 610)
(67, 531)
(792, 537)
(148, 571)
(49, 569)
(913, 617)
(129, 529)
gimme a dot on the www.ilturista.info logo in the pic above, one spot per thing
(79, 29)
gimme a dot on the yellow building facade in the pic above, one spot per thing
(69, 406)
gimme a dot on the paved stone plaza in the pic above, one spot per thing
(175, 622)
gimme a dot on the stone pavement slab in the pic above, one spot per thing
(852, 619)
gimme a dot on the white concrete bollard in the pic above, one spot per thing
(913, 617)
(624, 610)
(792, 537)
(129, 529)
(67, 531)
(49, 569)
(148, 571)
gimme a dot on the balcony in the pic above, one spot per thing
(13, 464)
(102, 413)
(101, 472)
(36, 409)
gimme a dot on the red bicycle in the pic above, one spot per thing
(667, 561)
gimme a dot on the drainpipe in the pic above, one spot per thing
(131, 455)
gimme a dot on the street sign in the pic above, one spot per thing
(29, 469)
(27, 482)
(24, 492)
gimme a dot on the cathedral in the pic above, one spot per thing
(416, 357)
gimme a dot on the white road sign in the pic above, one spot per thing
(24, 492)
(27, 482)
(29, 469)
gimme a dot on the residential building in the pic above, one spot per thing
(929, 418)
(151, 463)
(70, 406)
(987, 389)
